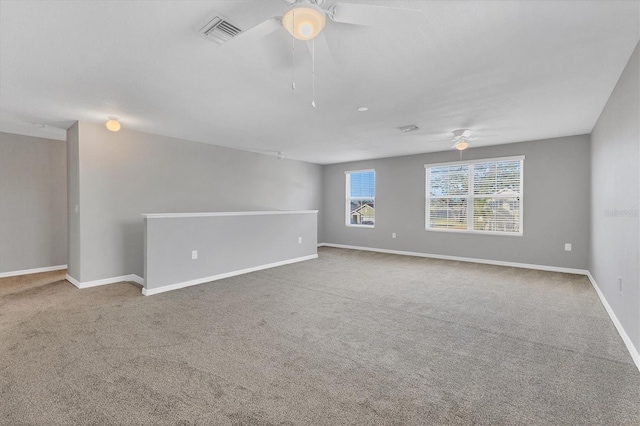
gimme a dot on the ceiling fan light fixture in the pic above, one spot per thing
(461, 145)
(304, 22)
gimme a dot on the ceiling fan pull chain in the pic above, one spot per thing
(313, 72)
(293, 55)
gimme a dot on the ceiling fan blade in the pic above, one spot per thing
(364, 14)
(462, 133)
(262, 29)
(323, 55)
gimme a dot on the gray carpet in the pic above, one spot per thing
(350, 338)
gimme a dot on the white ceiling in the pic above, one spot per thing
(510, 70)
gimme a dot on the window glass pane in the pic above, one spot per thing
(449, 180)
(362, 184)
(362, 212)
(448, 213)
(496, 214)
(497, 178)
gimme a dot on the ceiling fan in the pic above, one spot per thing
(306, 19)
(460, 140)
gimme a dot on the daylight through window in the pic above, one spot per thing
(483, 196)
(361, 196)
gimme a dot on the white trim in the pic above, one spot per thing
(217, 214)
(87, 284)
(466, 231)
(346, 172)
(32, 271)
(633, 351)
(349, 198)
(463, 259)
(73, 281)
(176, 286)
(479, 160)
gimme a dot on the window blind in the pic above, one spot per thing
(360, 195)
(480, 196)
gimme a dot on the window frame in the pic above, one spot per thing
(470, 196)
(349, 198)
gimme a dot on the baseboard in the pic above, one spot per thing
(176, 286)
(463, 259)
(633, 351)
(32, 271)
(87, 284)
(73, 281)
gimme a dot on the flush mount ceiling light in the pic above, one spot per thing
(363, 109)
(113, 124)
(304, 21)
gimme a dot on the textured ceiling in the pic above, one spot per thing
(510, 70)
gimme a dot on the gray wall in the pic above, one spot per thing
(33, 203)
(73, 204)
(125, 174)
(224, 243)
(556, 203)
(615, 185)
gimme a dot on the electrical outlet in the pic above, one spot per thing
(393, 235)
(567, 246)
(299, 240)
(194, 254)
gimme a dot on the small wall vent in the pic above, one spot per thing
(409, 128)
(219, 29)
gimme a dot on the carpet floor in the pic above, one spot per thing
(352, 338)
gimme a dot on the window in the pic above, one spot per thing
(361, 198)
(483, 196)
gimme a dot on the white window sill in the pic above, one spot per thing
(465, 231)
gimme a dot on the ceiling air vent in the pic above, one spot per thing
(409, 128)
(219, 29)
